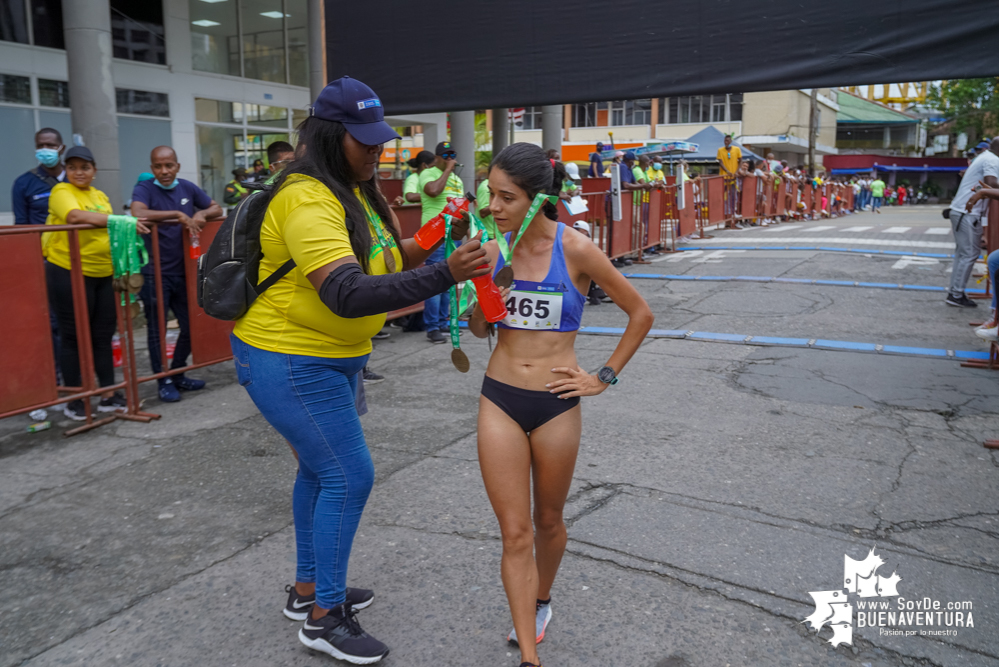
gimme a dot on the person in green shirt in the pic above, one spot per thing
(437, 183)
(482, 201)
(411, 186)
(878, 193)
(640, 170)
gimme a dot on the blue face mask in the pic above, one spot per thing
(166, 187)
(47, 156)
(657, 166)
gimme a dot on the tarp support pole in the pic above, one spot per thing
(551, 127)
(317, 49)
(501, 130)
(87, 28)
(463, 141)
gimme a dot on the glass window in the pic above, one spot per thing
(15, 89)
(137, 31)
(532, 119)
(46, 23)
(260, 114)
(298, 115)
(214, 37)
(13, 22)
(663, 109)
(19, 148)
(584, 115)
(256, 147)
(142, 102)
(617, 113)
(638, 112)
(717, 108)
(218, 156)
(53, 93)
(263, 40)
(214, 111)
(735, 106)
(298, 47)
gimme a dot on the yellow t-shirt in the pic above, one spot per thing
(307, 223)
(95, 245)
(730, 157)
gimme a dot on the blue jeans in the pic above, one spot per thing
(877, 203)
(174, 299)
(436, 309)
(311, 402)
(993, 263)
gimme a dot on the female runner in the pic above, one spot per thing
(529, 415)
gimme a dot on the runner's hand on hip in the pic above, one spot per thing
(465, 262)
(579, 383)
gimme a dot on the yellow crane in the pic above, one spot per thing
(909, 93)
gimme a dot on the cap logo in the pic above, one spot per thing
(367, 104)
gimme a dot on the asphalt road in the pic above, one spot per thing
(717, 486)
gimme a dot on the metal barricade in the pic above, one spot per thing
(29, 380)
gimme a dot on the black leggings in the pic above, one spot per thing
(100, 310)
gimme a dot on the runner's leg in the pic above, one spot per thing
(505, 461)
(554, 446)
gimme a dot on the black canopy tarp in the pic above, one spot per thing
(450, 55)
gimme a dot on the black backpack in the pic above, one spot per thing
(228, 271)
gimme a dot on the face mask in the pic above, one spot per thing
(167, 187)
(47, 156)
(656, 166)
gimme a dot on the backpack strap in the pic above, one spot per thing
(269, 281)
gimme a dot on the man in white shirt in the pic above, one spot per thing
(967, 226)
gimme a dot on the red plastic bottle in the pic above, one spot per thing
(432, 232)
(195, 247)
(490, 299)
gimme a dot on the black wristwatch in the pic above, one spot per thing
(607, 375)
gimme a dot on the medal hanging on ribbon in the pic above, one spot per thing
(458, 358)
(504, 278)
(386, 242)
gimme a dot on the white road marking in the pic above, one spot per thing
(855, 229)
(918, 261)
(896, 230)
(820, 228)
(938, 230)
(718, 240)
(715, 257)
(780, 228)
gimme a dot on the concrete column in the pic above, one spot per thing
(501, 130)
(317, 48)
(551, 127)
(87, 30)
(463, 141)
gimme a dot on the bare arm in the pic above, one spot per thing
(78, 217)
(202, 216)
(435, 188)
(413, 197)
(640, 319)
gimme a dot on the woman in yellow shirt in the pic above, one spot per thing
(76, 202)
(300, 347)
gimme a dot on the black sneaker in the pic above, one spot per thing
(436, 336)
(185, 383)
(960, 301)
(74, 410)
(298, 607)
(382, 335)
(340, 635)
(114, 404)
(371, 377)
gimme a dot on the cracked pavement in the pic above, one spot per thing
(716, 486)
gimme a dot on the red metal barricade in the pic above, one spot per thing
(749, 200)
(780, 198)
(716, 186)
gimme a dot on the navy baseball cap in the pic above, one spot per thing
(352, 103)
(81, 152)
(630, 155)
(982, 145)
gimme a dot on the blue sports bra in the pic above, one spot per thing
(554, 304)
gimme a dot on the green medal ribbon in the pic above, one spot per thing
(128, 252)
(385, 241)
(506, 249)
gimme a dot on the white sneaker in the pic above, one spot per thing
(990, 333)
(543, 617)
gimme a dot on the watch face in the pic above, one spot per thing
(606, 374)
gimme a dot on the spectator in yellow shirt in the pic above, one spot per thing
(729, 157)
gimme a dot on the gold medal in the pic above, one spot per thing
(460, 360)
